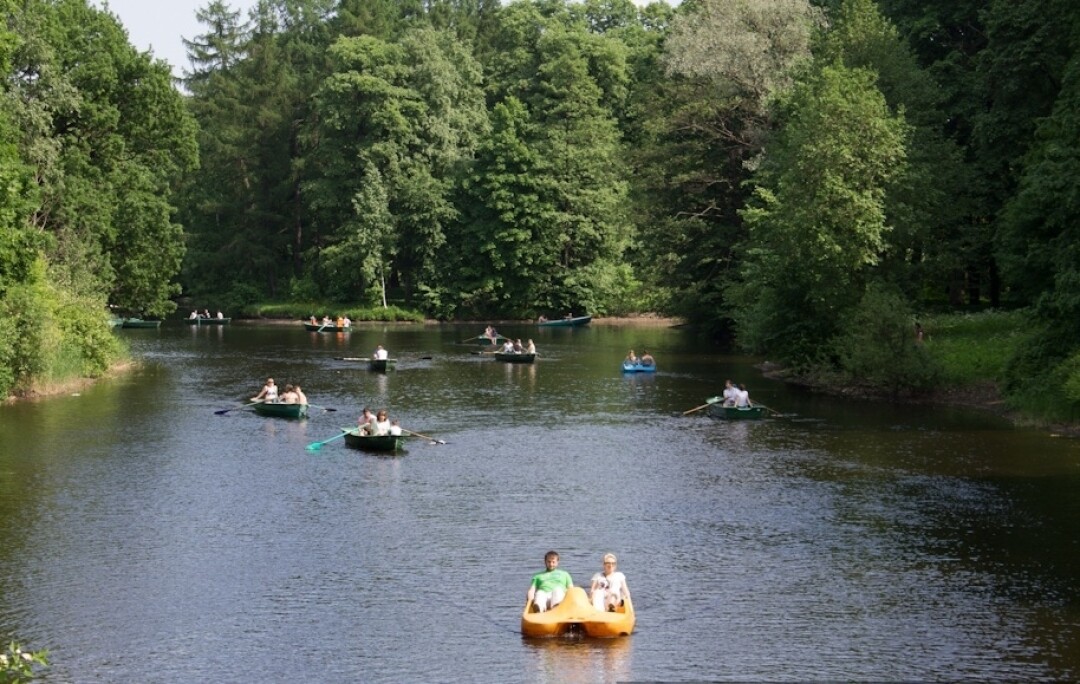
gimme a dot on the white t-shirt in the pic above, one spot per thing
(614, 584)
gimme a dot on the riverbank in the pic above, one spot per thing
(70, 386)
(981, 395)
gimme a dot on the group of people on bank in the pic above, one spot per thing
(607, 590)
(377, 424)
(269, 394)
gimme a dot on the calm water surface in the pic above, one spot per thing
(146, 539)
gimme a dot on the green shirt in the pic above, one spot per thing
(550, 579)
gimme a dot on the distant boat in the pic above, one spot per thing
(203, 320)
(575, 322)
(281, 410)
(318, 327)
(139, 323)
(638, 367)
(515, 357)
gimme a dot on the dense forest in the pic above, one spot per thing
(801, 178)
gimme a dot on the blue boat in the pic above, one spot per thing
(628, 367)
(572, 322)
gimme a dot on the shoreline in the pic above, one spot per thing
(71, 386)
(982, 396)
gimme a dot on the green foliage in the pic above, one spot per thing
(357, 312)
(877, 345)
(817, 223)
(18, 666)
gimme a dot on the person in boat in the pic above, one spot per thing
(530, 348)
(268, 393)
(631, 357)
(366, 423)
(395, 428)
(326, 320)
(569, 315)
(647, 358)
(289, 395)
(742, 398)
(508, 347)
(382, 423)
(346, 322)
(519, 348)
(220, 315)
(731, 395)
(608, 589)
(340, 321)
(206, 313)
(301, 398)
(547, 589)
(194, 314)
(380, 354)
(542, 319)
(313, 320)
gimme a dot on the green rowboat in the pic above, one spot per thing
(139, 323)
(281, 410)
(382, 365)
(384, 443)
(514, 357)
(718, 410)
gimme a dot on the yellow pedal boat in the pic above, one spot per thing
(576, 615)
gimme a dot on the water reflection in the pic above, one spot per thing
(579, 660)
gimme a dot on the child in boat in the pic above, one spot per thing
(609, 588)
(547, 589)
(395, 428)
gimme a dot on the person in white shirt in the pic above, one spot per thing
(731, 395)
(268, 393)
(609, 588)
(395, 428)
(382, 423)
(508, 346)
(380, 354)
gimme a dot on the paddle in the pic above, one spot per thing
(364, 358)
(430, 439)
(708, 403)
(234, 408)
(770, 410)
(324, 408)
(315, 446)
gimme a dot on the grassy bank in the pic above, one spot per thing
(305, 310)
(973, 348)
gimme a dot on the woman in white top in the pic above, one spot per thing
(609, 588)
(382, 423)
(268, 393)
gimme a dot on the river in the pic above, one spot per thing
(146, 539)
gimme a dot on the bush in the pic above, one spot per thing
(877, 345)
(17, 665)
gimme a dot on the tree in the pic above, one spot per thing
(817, 219)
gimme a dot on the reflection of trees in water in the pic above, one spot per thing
(580, 660)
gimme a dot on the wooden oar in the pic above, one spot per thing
(351, 358)
(770, 410)
(235, 408)
(315, 446)
(708, 403)
(324, 408)
(417, 434)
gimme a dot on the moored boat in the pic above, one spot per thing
(276, 410)
(381, 365)
(385, 443)
(515, 357)
(203, 320)
(718, 410)
(139, 323)
(318, 327)
(638, 367)
(572, 322)
(576, 615)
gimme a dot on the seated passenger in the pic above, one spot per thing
(382, 424)
(508, 346)
(547, 589)
(647, 359)
(530, 348)
(608, 588)
(731, 395)
(631, 357)
(742, 400)
(288, 396)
